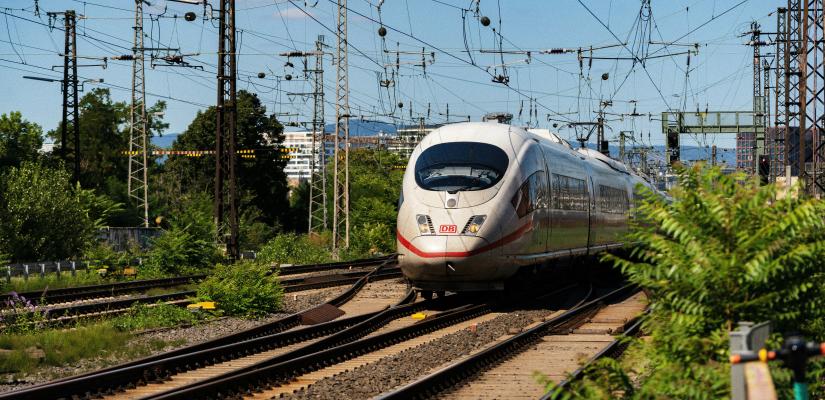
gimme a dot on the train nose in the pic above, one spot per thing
(438, 258)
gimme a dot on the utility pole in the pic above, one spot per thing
(340, 209)
(69, 88)
(317, 217)
(779, 94)
(750, 147)
(713, 155)
(601, 143)
(138, 182)
(622, 138)
(226, 198)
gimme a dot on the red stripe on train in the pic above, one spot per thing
(515, 235)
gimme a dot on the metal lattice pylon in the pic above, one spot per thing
(792, 74)
(318, 162)
(779, 157)
(340, 209)
(138, 182)
(226, 193)
(812, 96)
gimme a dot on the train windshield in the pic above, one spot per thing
(459, 166)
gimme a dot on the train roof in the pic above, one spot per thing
(503, 135)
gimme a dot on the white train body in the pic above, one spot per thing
(480, 200)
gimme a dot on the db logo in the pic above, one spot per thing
(447, 229)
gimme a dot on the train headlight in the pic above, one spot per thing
(424, 224)
(474, 224)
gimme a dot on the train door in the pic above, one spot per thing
(544, 211)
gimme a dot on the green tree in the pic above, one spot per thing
(20, 140)
(42, 216)
(375, 185)
(261, 179)
(104, 139)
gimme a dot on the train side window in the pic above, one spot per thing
(569, 193)
(537, 190)
(530, 195)
(521, 200)
(613, 200)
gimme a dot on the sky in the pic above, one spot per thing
(461, 55)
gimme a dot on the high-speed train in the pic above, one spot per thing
(480, 200)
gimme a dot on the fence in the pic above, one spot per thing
(41, 268)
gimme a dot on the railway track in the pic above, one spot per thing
(78, 293)
(84, 305)
(383, 335)
(240, 348)
(361, 263)
(337, 279)
(555, 348)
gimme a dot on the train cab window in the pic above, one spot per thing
(460, 166)
(532, 194)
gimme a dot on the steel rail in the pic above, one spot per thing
(61, 315)
(76, 311)
(216, 350)
(324, 281)
(375, 321)
(282, 372)
(63, 295)
(330, 351)
(448, 377)
(613, 350)
(360, 263)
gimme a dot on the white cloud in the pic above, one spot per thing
(291, 13)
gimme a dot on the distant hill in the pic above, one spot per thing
(687, 153)
(358, 127)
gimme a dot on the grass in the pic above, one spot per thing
(66, 347)
(160, 315)
(35, 282)
(24, 353)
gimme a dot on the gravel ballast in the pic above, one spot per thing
(395, 370)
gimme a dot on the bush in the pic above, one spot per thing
(725, 250)
(159, 315)
(290, 248)
(178, 252)
(370, 239)
(245, 289)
